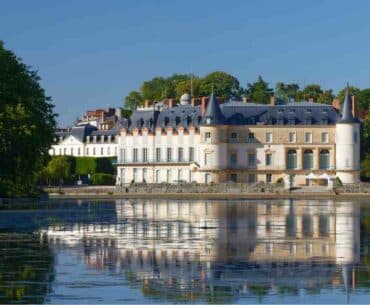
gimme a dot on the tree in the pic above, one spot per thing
(185, 87)
(133, 100)
(312, 91)
(225, 85)
(259, 91)
(362, 96)
(59, 168)
(325, 97)
(365, 168)
(27, 122)
(287, 92)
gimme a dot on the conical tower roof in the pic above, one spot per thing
(347, 114)
(213, 114)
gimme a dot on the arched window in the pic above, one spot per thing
(292, 159)
(324, 159)
(308, 159)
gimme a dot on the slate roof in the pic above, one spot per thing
(236, 113)
(347, 115)
(213, 114)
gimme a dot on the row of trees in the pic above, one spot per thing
(228, 86)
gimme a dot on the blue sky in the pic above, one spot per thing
(92, 53)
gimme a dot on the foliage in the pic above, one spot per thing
(185, 87)
(362, 96)
(26, 124)
(287, 92)
(365, 135)
(259, 91)
(133, 100)
(365, 168)
(91, 165)
(225, 85)
(102, 179)
(59, 168)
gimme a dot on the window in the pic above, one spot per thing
(292, 137)
(268, 178)
(355, 137)
(71, 151)
(233, 177)
(308, 159)
(208, 120)
(108, 151)
(251, 159)
(158, 154)
(134, 155)
(180, 154)
(325, 137)
(291, 121)
(145, 155)
(136, 174)
(251, 178)
(191, 154)
(145, 174)
(78, 151)
(308, 137)
(268, 159)
(190, 176)
(207, 159)
(207, 178)
(307, 225)
(101, 151)
(65, 151)
(157, 175)
(250, 137)
(268, 137)
(207, 136)
(324, 159)
(169, 154)
(179, 174)
(169, 176)
(233, 137)
(233, 158)
(292, 159)
(122, 155)
(94, 151)
(87, 151)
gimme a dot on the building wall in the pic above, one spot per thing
(223, 153)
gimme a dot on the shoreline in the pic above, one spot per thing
(323, 195)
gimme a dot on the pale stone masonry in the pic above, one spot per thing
(238, 141)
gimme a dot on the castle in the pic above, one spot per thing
(239, 141)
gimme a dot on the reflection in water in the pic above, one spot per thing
(219, 251)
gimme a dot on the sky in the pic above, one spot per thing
(91, 54)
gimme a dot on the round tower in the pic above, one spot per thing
(348, 144)
(213, 148)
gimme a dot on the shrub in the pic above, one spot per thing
(102, 179)
(91, 165)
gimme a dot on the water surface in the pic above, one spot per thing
(182, 251)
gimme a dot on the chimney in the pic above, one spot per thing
(118, 113)
(203, 105)
(146, 104)
(335, 104)
(245, 99)
(193, 102)
(354, 107)
(272, 101)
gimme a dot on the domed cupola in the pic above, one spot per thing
(185, 99)
(213, 114)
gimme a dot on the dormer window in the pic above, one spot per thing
(208, 120)
(325, 110)
(291, 121)
(166, 120)
(291, 110)
(308, 110)
(308, 121)
(324, 121)
(280, 110)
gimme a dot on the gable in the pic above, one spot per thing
(71, 140)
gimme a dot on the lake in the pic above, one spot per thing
(185, 251)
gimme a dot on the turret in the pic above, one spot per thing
(213, 148)
(348, 143)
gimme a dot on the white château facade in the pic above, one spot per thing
(239, 142)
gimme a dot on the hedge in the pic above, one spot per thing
(91, 165)
(102, 179)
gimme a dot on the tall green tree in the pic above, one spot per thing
(26, 125)
(259, 91)
(325, 97)
(287, 92)
(59, 168)
(186, 86)
(133, 100)
(225, 85)
(312, 91)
